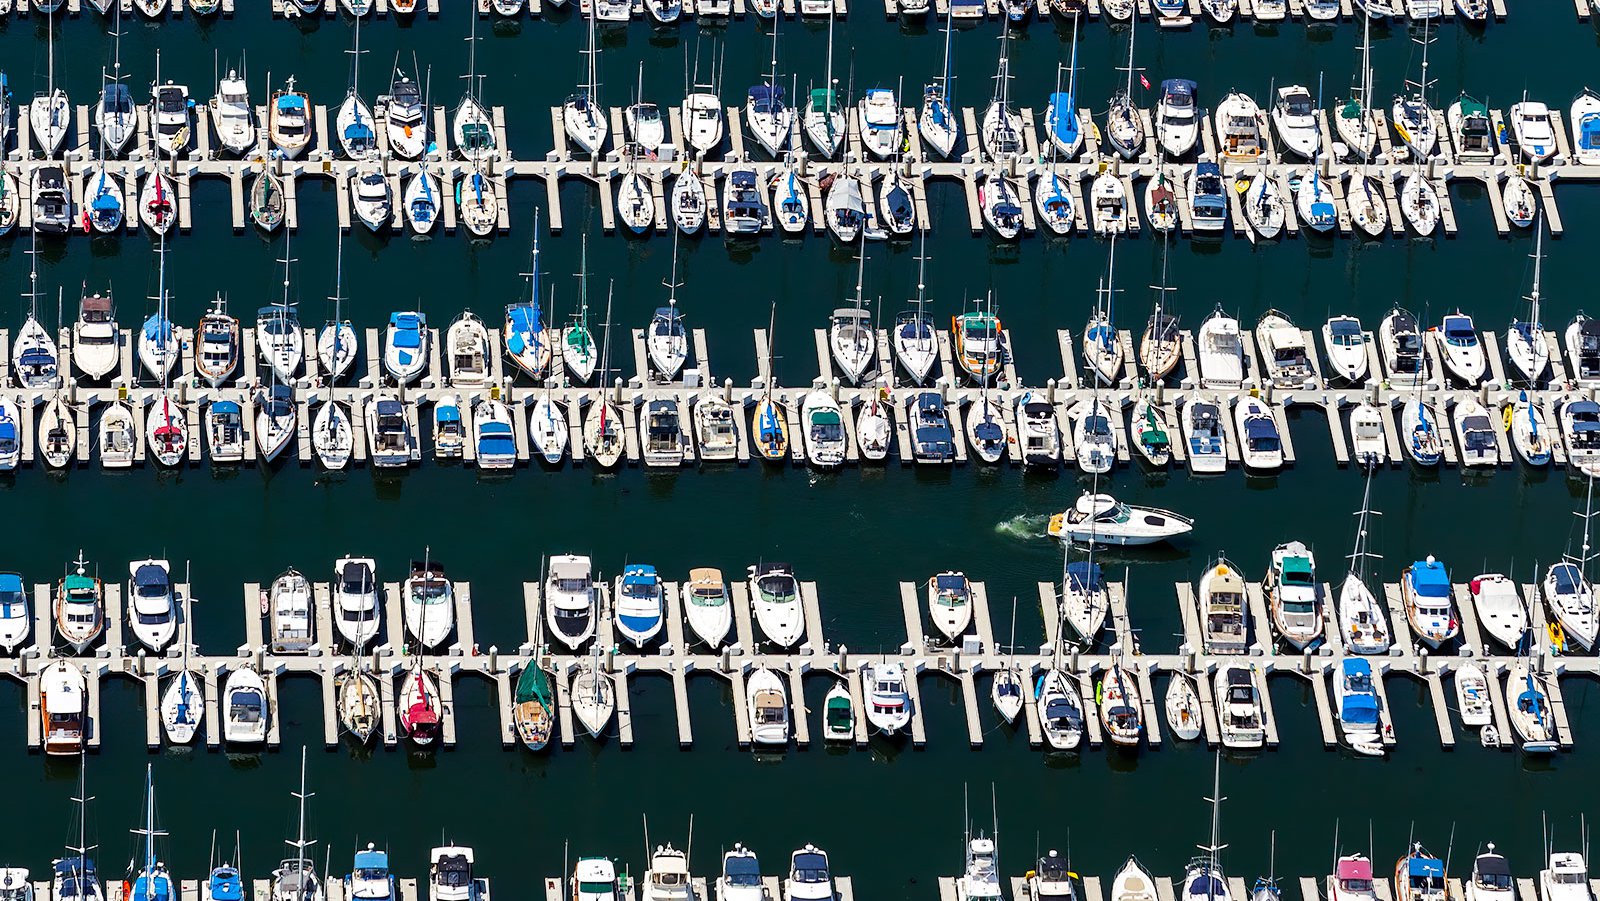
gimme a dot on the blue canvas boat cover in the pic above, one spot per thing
(639, 574)
(766, 99)
(225, 885)
(1086, 576)
(1427, 867)
(493, 445)
(1260, 428)
(495, 428)
(372, 860)
(156, 328)
(388, 408)
(1065, 128)
(1568, 579)
(225, 408)
(10, 583)
(1429, 579)
(446, 413)
(150, 576)
(291, 102)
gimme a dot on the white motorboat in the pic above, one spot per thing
(96, 344)
(467, 350)
(1221, 352)
(225, 431)
(1400, 345)
(247, 712)
(708, 606)
(1283, 349)
(232, 115)
(1224, 620)
(1498, 603)
(1584, 120)
(371, 200)
(492, 435)
(1183, 707)
(1200, 422)
(1293, 595)
(741, 876)
(217, 345)
(1293, 113)
(1460, 347)
(1238, 122)
(427, 603)
(289, 618)
(822, 424)
(1491, 878)
(1108, 204)
(1260, 440)
(1038, 436)
(569, 596)
(1472, 695)
(1345, 344)
(152, 608)
(950, 604)
(289, 121)
(1566, 878)
(1133, 883)
(404, 117)
(405, 346)
(1425, 594)
(888, 704)
(1358, 705)
(1369, 442)
(77, 606)
(356, 601)
(645, 125)
(768, 703)
(775, 597)
(63, 716)
(10, 435)
(1240, 717)
(1094, 443)
(1177, 117)
(716, 436)
(1571, 598)
(1532, 131)
(702, 121)
(1580, 431)
(639, 605)
(1476, 439)
(1060, 710)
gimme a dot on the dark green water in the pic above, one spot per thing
(891, 817)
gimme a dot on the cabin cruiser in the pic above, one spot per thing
(1476, 441)
(1177, 123)
(1283, 347)
(1051, 880)
(1401, 346)
(1208, 204)
(1238, 127)
(639, 610)
(1565, 879)
(775, 597)
(570, 599)
(880, 122)
(1463, 354)
(1345, 344)
(1294, 115)
(1580, 429)
(932, 440)
(767, 708)
(1532, 132)
(152, 608)
(1425, 592)
(1261, 443)
(1293, 595)
(1221, 352)
(356, 611)
(1201, 425)
(950, 604)
(1358, 704)
(1039, 438)
(246, 715)
(1223, 617)
(708, 606)
(428, 603)
(1104, 520)
(1498, 603)
(888, 703)
(1239, 712)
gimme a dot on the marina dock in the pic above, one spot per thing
(678, 656)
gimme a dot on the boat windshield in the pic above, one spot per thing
(1458, 331)
(430, 591)
(1345, 333)
(742, 871)
(708, 597)
(776, 588)
(810, 867)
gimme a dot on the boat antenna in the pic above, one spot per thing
(994, 815)
(646, 818)
(1336, 845)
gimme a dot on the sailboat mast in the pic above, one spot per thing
(1538, 265)
(944, 75)
(828, 84)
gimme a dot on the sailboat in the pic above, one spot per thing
(602, 426)
(1102, 347)
(1002, 127)
(769, 117)
(1124, 126)
(102, 194)
(666, 341)
(937, 124)
(1160, 348)
(851, 336)
(533, 706)
(76, 878)
(354, 121)
(470, 125)
(1203, 877)
(1527, 342)
(114, 116)
(1006, 685)
(165, 424)
(336, 342)
(1361, 616)
(913, 337)
(581, 114)
(593, 695)
(50, 114)
(295, 879)
(418, 703)
(183, 704)
(404, 115)
(772, 426)
(153, 882)
(524, 334)
(1051, 194)
(823, 117)
(276, 413)
(1411, 115)
(358, 702)
(35, 360)
(1354, 119)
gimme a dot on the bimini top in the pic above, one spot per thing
(449, 413)
(389, 408)
(1492, 865)
(10, 583)
(639, 574)
(1360, 868)
(372, 860)
(292, 102)
(1360, 701)
(1429, 579)
(225, 408)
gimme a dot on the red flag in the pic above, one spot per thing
(1144, 81)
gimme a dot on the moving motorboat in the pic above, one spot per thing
(1104, 520)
